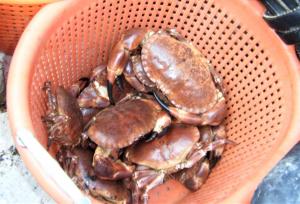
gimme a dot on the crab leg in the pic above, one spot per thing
(71, 163)
(209, 134)
(67, 160)
(130, 40)
(144, 181)
(217, 79)
(108, 169)
(175, 34)
(200, 152)
(52, 103)
(213, 117)
(219, 133)
(56, 133)
(132, 79)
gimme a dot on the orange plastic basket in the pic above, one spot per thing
(14, 17)
(67, 39)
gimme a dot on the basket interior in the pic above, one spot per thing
(256, 87)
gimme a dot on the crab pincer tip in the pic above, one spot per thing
(110, 94)
(119, 82)
(152, 136)
(161, 103)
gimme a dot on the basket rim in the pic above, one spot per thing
(27, 2)
(20, 76)
(19, 79)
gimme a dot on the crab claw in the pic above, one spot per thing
(120, 55)
(77, 87)
(108, 169)
(115, 66)
(194, 177)
(110, 92)
(144, 180)
(161, 102)
(163, 121)
(119, 82)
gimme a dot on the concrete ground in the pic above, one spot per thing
(16, 183)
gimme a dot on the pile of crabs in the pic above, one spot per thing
(154, 112)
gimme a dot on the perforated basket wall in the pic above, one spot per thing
(256, 79)
(13, 20)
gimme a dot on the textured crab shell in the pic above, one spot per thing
(180, 71)
(109, 190)
(119, 126)
(68, 106)
(166, 151)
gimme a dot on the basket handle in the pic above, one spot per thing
(26, 141)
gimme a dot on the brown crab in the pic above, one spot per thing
(117, 127)
(165, 62)
(63, 120)
(179, 148)
(78, 165)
